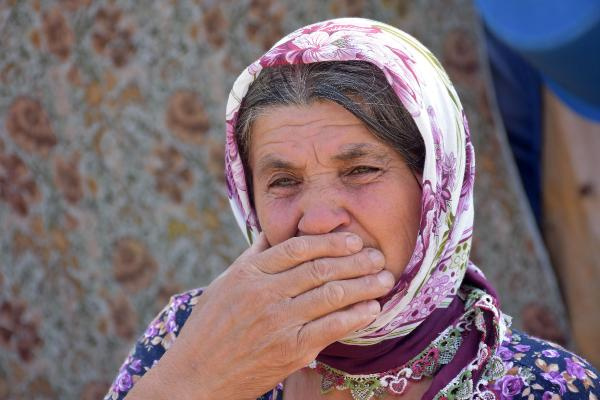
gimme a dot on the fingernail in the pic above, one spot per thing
(374, 308)
(376, 257)
(386, 278)
(353, 243)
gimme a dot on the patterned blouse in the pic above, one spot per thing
(536, 369)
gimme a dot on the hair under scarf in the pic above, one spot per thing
(442, 318)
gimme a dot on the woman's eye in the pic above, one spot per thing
(362, 170)
(283, 182)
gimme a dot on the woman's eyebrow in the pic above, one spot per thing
(361, 150)
(272, 162)
(349, 152)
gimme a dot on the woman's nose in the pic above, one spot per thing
(322, 212)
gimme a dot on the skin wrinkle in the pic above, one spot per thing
(353, 152)
(316, 149)
(265, 159)
(360, 150)
(358, 86)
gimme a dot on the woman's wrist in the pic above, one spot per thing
(171, 379)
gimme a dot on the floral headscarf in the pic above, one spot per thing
(435, 276)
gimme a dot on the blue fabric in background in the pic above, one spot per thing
(561, 39)
(518, 94)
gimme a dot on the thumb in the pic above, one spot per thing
(259, 245)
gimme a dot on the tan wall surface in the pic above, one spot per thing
(572, 217)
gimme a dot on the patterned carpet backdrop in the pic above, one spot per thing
(112, 193)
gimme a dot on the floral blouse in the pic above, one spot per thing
(535, 369)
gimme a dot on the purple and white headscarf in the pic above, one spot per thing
(440, 261)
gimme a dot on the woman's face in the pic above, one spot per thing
(317, 169)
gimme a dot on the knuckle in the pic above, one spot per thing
(335, 294)
(251, 263)
(295, 248)
(320, 270)
(242, 272)
(335, 324)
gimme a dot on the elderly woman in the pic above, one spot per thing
(350, 170)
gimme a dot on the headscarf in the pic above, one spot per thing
(442, 318)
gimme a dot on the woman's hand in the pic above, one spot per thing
(269, 314)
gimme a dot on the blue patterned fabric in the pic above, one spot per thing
(536, 369)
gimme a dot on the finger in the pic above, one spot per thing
(259, 245)
(317, 272)
(333, 296)
(330, 328)
(299, 249)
